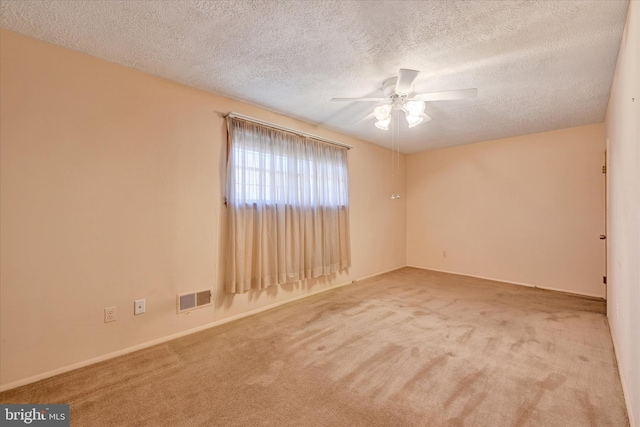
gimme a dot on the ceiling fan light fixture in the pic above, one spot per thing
(414, 107)
(399, 96)
(384, 123)
(382, 112)
(413, 120)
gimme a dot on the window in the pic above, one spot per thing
(288, 204)
(265, 177)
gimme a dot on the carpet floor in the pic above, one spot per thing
(408, 348)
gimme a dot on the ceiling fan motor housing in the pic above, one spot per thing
(396, 100)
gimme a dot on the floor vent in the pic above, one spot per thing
(194, 299)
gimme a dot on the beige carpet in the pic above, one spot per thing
(409, 348)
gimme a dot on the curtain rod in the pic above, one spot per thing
(286, 129)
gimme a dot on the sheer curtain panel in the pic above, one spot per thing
(288, 207)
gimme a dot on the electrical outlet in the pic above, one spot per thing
(139, 306)
(109, 314)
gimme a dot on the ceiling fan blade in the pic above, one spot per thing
(405, 80)
(369, 116)
(448, 95)
(358, 99)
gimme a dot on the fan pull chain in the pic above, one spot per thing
(398, 161)
(392, 178)
(395, 157)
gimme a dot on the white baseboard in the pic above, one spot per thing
(625, 390)
(161, 340)
(380, 274)
(584, 294)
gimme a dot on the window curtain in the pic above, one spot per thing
(288, 207)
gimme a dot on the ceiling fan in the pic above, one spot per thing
(398, 94)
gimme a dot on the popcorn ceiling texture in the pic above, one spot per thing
(538, 65)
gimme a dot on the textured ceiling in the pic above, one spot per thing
(538, 65)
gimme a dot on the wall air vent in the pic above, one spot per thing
(194, 299)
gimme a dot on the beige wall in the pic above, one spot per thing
(527, 209)
(111, 185)
(623, 191)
